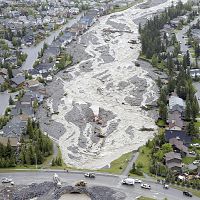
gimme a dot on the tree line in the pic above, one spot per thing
(34, 148)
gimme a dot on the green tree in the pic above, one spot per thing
(166, 148)
(11, 102)
(10, 74)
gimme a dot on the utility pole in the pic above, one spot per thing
(35, 161)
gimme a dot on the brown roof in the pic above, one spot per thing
(173, 164)
(174, 119)
(24, 117)
(171, 155)
(13, 141)
(178, 144)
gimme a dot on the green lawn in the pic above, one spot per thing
(145, 198)
(188, 160)
(194, 192)
(144, 158)
(117, 166)
(160, 123)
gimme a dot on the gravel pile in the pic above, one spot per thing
(48, 191)
(34, 190)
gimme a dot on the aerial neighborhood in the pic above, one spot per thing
(100, 85)
(26, 24)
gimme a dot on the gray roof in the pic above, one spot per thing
(18, 80)
(174, 100)
(171, 155)
(14, 129)
(1, 80)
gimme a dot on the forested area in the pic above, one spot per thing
(34, 147)
(150, 33)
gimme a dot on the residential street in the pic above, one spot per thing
(108, 180)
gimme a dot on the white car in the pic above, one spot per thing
(128, 181)
(138, 181)
(145, 186)
(196, 162)
(192, 153)
(195, 145)
(89, 175)
(12, 183)
(6, 180)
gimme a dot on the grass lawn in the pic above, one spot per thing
(145, 198)
(188, 160)
(194, 192)
(117, 166)
(144, 158)
(160, 123)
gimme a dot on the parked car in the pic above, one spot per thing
(186, 193)
(195, 145)
(165, 186)
(196, 162)
(12, 183)
(138, 181)
(128, 181)
(89, 175)
(192, 153)
(6, 180)
(145, 186)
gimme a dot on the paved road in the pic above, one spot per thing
(181, 33)
(113, 181)
(32, 51)
(130, 164)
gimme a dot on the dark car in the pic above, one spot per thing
(186, 193)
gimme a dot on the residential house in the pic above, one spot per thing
(22, 109)
(32, 83)
(13, 129)
(51, 52)
(180, 135)
(34, 73)
(2, 80)
(176, 103)
(4, 73)
(87, 21)
(178, 146)
(14, 141)
(175, 121)
(45, 67)
(17, 81)
(173, 161)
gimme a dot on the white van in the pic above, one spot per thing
(128, 181)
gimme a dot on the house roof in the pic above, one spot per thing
(1, 80)
(179, 145)
(174, 119)
(3, 71)
(174, 100)
(18, 80)
(13, 141)
(173, 164)
(181, 135)
(32, 83)
(171, 155)
(45, 66)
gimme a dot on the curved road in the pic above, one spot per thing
(114, 181)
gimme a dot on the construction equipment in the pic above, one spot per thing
(81, 183)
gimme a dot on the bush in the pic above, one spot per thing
(139, 165)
